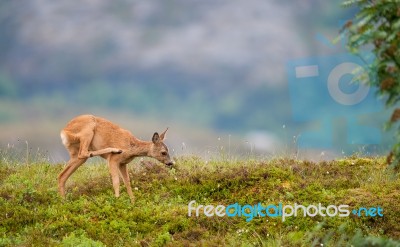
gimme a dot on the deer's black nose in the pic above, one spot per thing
(169, 164)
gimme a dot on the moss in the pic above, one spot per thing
(33, 214)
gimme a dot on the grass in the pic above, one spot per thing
(32, 213)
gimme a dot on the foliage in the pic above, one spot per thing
(80, 241)
(32, 214)
(377, 26)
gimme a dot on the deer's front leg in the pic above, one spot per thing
(123, 168)
(113, 166)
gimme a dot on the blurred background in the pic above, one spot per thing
(214, 72)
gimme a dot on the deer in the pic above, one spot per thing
(87, 136)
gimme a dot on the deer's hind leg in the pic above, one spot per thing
(105, 151)
(74, 163)
(85, 138)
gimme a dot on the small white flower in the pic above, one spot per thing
(136, 188)
(327, 172)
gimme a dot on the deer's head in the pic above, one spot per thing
(159, 150)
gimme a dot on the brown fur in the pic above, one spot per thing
(86, 136)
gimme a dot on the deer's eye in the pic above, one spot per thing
(164, 153)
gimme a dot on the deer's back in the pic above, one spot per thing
(108, 134)
(105, 133)
(79, 123)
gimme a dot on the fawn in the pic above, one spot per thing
(86, 136)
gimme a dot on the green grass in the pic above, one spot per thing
(32, 214)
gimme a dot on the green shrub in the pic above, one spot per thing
(80, 241)
(32, 213)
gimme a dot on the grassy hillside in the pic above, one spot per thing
(32, 214)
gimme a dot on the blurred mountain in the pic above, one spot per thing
(215, 64)
(222, 43)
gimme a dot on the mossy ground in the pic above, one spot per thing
(32, 213)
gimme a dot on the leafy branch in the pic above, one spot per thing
(376, 27)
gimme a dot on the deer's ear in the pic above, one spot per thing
(162, 136)
(156, 138)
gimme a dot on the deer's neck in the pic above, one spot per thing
(139, 147)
